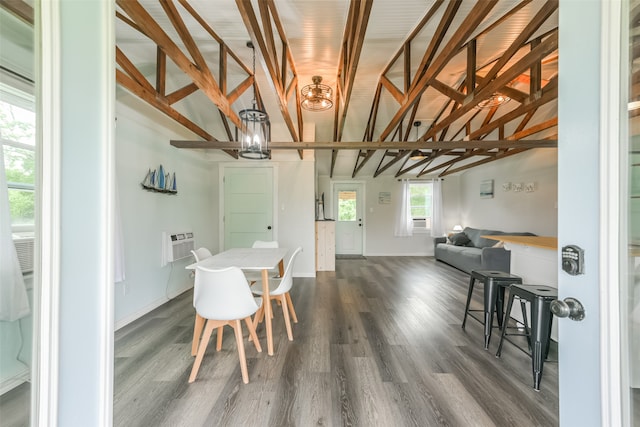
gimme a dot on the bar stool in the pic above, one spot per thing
(495, 283)
(539, 333)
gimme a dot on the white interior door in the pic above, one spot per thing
(348, 207)
(248, 206)
(598, 356)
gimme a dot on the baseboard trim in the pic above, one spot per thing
(146, 309)
(412, 254)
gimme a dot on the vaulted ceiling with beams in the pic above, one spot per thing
(406, 75)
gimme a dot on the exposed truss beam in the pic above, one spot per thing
(378, 145)
(277, 69)
(352, 41)
(20, 9)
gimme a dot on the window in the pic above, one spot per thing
(18, 136)
(421, 202)
(346, 205)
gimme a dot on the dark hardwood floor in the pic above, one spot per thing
(378, 343)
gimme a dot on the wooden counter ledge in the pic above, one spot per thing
(545, 242)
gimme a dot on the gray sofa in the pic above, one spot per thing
(470, 252)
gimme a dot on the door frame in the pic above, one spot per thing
(222, 168)
(591, 348)
(334, 211)
(613, 127)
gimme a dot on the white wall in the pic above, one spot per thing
(142, 137)
(535, 212)
(379, 218)
(142, 142)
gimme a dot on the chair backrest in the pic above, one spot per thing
(265, 244)
(201, 253)
(287, 278)
(223, 294)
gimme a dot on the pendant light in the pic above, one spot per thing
(255, 129)
(417, 154)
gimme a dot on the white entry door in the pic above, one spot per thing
(248, 206)
(599, 213)
(348, 208)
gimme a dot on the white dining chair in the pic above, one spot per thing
(223, 297)
(201, 253)
(198, 324)
(279, 290)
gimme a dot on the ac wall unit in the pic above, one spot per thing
(25, 251)
(177, 246)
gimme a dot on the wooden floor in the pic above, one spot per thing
(378, 343)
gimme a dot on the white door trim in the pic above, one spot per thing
(256, 164)
(613, 126)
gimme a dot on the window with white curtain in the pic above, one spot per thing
(18, 137)
(421, 205)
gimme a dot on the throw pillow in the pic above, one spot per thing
(459, 239)
(500, 244)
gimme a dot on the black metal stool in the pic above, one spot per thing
(539, 333)
(495, 283)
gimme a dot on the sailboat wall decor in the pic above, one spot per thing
(160, 181)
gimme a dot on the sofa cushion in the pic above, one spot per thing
(459, 239)
(481, 242)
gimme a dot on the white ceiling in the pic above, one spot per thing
(314, 30)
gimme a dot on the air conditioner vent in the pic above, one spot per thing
(25, 250)
(177, 246)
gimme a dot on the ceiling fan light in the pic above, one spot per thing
(316, 96)
(494, 100)
(417, 155)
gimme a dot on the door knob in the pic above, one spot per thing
(570, 307)
(268, 227)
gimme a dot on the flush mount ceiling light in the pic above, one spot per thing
(494, 100)
(417, 154)
(316, 96)
(255, 128)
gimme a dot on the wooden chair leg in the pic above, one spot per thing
(291, 309)
(237, 328)
(252, 333)
(257, 318)
(197, 332)
(285, 312)
(208, 330)
(219, 338)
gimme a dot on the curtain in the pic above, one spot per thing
(437, 228)
(14, 301)
(404, 222)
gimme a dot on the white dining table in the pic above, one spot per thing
(251, 259)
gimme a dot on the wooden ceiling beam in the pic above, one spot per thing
(498, 156)
(181, 93)
(161, 71)
(379, 145)
(544, 48)
(466, 28)
(20, 9)
(203, 79)
(436, 41)
(353, 39)
(156, 101)
(270, 62)
(549, 94)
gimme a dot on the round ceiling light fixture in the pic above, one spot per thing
(316, 96)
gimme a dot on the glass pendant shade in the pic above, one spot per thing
(255, 133)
